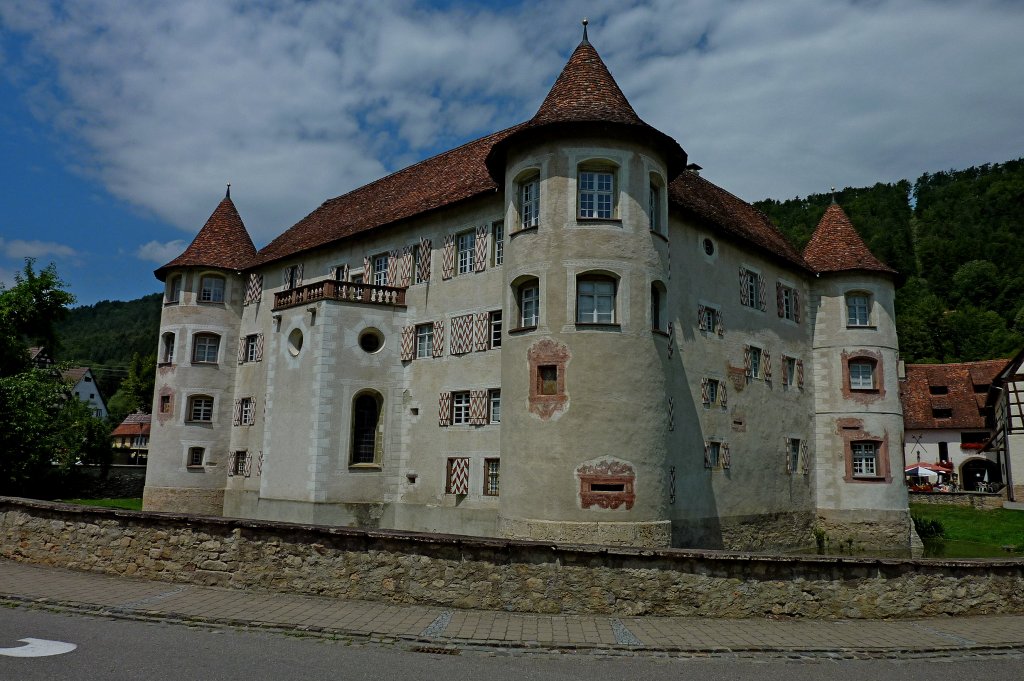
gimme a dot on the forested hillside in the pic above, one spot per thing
(957, 238)
(106, 336)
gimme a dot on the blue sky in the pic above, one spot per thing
(122, 122)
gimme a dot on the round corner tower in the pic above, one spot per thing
(584, 422)
(193, 398)
(861, 496)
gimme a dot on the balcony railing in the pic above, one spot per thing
(340, 290)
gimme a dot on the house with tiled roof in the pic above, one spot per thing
(131, 439)
(84, 387)
(947, 422)
(558, 331)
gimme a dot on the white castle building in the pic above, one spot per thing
(559, 331)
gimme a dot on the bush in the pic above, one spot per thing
(928, 528)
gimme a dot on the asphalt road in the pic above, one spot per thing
(112, 650)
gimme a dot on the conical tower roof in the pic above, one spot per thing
(223, 242)
(585, 99)
(836, 246)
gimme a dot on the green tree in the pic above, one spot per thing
(28, 311)
(136, 391)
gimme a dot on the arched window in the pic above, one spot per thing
(367, 427)
(528, 199)
(527, 292)
(173, 294)
(659, 300)
(205, 347)
(655, 200)
(595, 299)
(596, 191)
(211, 289)
(858, 308)
(167, 348)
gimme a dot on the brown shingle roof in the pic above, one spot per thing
(223, 242)
(961, 397)
(836, 246)
(734, 216)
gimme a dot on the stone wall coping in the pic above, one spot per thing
(517, 550)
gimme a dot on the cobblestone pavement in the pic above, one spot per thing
(443, 628)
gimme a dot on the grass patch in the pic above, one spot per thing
(131, 504)
(998, 527)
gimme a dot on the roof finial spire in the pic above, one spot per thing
(833, 195)
(227, 194)
(585, 22)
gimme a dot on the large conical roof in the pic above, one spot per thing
(836, 246)
(586, 99)
(223, 242)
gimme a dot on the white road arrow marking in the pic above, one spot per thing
(37, 647)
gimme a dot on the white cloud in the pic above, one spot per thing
(18, 248)
(301, 101)
(161, 253)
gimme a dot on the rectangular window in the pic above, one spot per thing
(938, 390)
(858, 309)
(712, 388)
(417, 266)
(492, 469)
(466, 245)
(547, 379)
(200, 409)
(498, 243)
(595, 301)
(238, 467)
(654, 209)
(862, 376)
(529, 304)
(865, 459)
(168, 349)
(494, 398)
(787, 306)
(942, 413)
(596, 197)
(460, 408)
(204, 350)
(710, 318)
(755, 362)
(713, 456)
(494, 326)
(789, 379)
(751, 293)
(794, 455)
(424, 340)
(174, 291)
(211, 290)
(380, 270)
(195, 456)
(251, 351)
(529, 202)
(291, 277)
(247, 411)
(165, 404)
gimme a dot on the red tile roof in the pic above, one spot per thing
(960, 381)
(223, 242)
(134, 424)
(836, 246)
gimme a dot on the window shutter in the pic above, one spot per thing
(480, 261)
(444, 409)
(259, 347)
(778, 298)
(724, 454)
(448, 257)
(723, 394)
(367, 270)
(671, 338)
(438, 338)
(785, 454)
(785, 370)
(332, 273)
(482, 331)
(671, 413)
(406, 269)
(458, 481)
(298, 275)
(394, 276)
(720, 324)
(241, 350)
(796, 306)
(707, 454)
(424, 273)
(237, 419)
(286, 278)
(744, 293)
(408, 340)
(478, 407)
(232, 457)
(800, 374)
(254, 289)
(345, 273)
(705, 398)
(762, 294)
(462, 334)
(766, 363)
(247, 466)
(259, 464)
(805, 459)
(746, 361)
(700, 317)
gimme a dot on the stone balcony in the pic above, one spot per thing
(344, 291)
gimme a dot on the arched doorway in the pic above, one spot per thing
(366, 427)
(979, 470)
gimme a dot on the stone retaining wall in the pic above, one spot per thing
(468, 572)
(984, 502)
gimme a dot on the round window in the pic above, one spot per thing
(295, 342)
(709, 246)
(371, 340)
